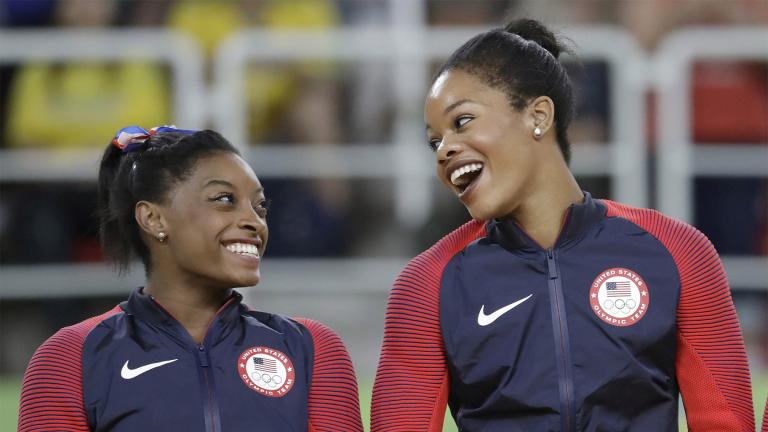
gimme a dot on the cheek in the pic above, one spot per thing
(490, 138)
(506, 149)
(196, 230)
(193, 245)
(194, 215)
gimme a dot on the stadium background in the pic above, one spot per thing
(324, 97)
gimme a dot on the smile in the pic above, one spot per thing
(245, 249)
(464, 175)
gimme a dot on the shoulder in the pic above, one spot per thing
(314, 332)
(675, 234)
(445, 248)
(323, 337)
(416, 291)
(71, 337)
(427, 267)
(332, 363)
(273, 321)
(333, 397)
(54, 379)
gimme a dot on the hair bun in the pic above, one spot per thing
(535, 31)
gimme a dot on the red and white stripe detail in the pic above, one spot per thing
(333, 398)
(712, 368)
(411, 388)
(52, 391)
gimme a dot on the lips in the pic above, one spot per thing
(247, 249)
(243, 249)
(464, 174)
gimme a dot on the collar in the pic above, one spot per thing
(146, 308)
(578, 219)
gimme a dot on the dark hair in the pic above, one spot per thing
(145, 174)
(521, 60)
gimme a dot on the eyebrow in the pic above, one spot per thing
(454, 105)
(219, 182)
(450, 108)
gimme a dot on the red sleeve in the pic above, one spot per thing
(411, 388)
(712, 368)
(52, 392)
(333, 400)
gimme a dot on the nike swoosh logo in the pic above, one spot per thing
(129, 373)
(484, 319)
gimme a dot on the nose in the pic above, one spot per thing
(448, 148)
(250, 220)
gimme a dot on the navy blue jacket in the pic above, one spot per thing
(601, 332)
(136, 368)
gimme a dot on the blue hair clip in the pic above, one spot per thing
(132, 138)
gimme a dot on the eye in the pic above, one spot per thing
(262, 208)
(225, 198)
(461, 121)
(434, 144)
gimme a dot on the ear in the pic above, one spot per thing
(150, 218)
(541, 114)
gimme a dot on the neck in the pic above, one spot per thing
(194, 306)
(542, 211)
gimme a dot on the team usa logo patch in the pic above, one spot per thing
(619, 297)
(266, 371)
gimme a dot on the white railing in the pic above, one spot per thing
(680, 160)
(280, 275)
(623, 159)
(164, 46)
(180, 53)
(410, 50)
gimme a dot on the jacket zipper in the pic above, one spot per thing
(562, 345)
(211, 417)
(205, 377)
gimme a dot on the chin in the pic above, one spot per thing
(236, 280)
(249, 281)
(481, 213)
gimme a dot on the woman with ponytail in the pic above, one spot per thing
(182, 353)
(551, 310)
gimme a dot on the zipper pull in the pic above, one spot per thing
(202, 356)
(551, 266)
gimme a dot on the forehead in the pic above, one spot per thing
(455, 85)
(228, 167)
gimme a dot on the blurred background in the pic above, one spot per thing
(324, 97)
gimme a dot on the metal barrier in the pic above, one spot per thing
(411, 52)
(623, 159)
(345, 277)
(181, 53)
(680, 160)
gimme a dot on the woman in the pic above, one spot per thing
(183, 353)
(551, 310)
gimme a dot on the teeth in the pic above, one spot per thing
(243, 248)
(458, 172)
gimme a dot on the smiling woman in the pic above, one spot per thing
(183, 352)
(551, 310)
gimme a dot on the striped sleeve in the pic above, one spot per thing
(712, 368)
(333, 399)
(411, 388)
(52, 392)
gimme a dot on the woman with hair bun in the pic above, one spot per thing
(183, 353)
(551, 310)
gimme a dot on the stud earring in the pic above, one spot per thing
(537, 132)
(162, 237)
